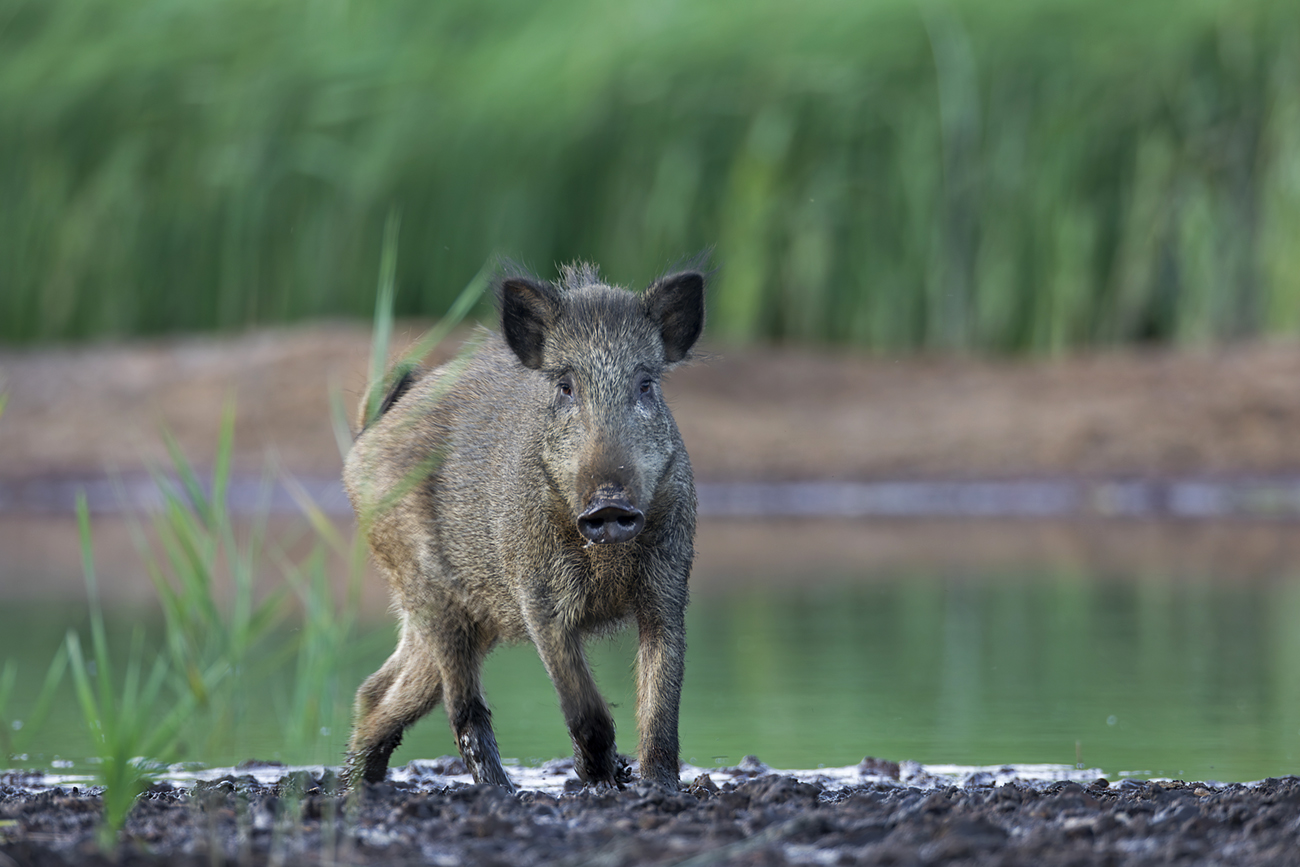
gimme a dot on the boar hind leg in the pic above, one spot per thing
(403, 690)
(461, 650)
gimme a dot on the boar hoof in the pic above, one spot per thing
(484, 761)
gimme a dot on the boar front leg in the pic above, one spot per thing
(660, 664)
(591, 726)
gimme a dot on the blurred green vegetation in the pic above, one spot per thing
(1007, 175)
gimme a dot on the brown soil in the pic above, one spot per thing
(746, 414)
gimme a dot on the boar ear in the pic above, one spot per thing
(528, 310)
(676, 303)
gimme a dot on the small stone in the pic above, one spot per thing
(703, 787)
(873, 767)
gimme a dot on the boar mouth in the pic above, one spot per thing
(610, 520)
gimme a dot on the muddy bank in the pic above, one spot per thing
(744, 815)
(746, 414)
(1128, 421)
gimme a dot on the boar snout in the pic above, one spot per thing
(610, 519)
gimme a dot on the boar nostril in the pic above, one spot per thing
(610, 521)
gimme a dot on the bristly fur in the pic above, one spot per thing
(701, 261)
(541, 492)
(508, 269)
(577, 274)
(573, 275)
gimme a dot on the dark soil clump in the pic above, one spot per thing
(768, 819)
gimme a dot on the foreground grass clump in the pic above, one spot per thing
(133, 725)
(221, 649)
(1008, 175)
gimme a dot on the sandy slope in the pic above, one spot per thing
(745, 413)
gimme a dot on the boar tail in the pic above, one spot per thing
(398, 382)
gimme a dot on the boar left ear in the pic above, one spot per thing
(676, 303)
(529, 309)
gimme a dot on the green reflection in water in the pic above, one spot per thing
(1196, 680)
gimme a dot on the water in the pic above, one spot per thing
(1193, 497)
(1192, 679)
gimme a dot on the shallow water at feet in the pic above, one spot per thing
(1126, 676)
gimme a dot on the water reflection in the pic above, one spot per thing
(1179, 678)
(1185, 678)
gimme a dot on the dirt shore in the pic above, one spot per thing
(755, 817)
(755, 414)
(745, 414)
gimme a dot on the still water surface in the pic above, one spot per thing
(1186, 679)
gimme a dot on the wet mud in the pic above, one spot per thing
(754, 816)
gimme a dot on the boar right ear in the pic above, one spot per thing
(676, 302)
(528, 310)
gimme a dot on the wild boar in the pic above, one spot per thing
(538, 491)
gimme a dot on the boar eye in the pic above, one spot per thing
(645, 385)
(565, 386)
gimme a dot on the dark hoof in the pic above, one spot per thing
(497, 778)
(479, 751)
(360, 767)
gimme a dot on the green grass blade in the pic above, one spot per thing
(190, 554)
(339, 421)
(128, 703)
(87, 549)
(96, 722)
(198, 498)
(464, 303)
(221, 467)
(98, 636)
(320, 522)
(45, 698)
(383, 326)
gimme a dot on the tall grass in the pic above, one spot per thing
(221, 640)
(220, 624)
(133, 720)
(1007, 175)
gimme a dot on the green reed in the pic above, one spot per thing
(211, 640)
(134, 718)
(1010, 175)
(227, 594)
